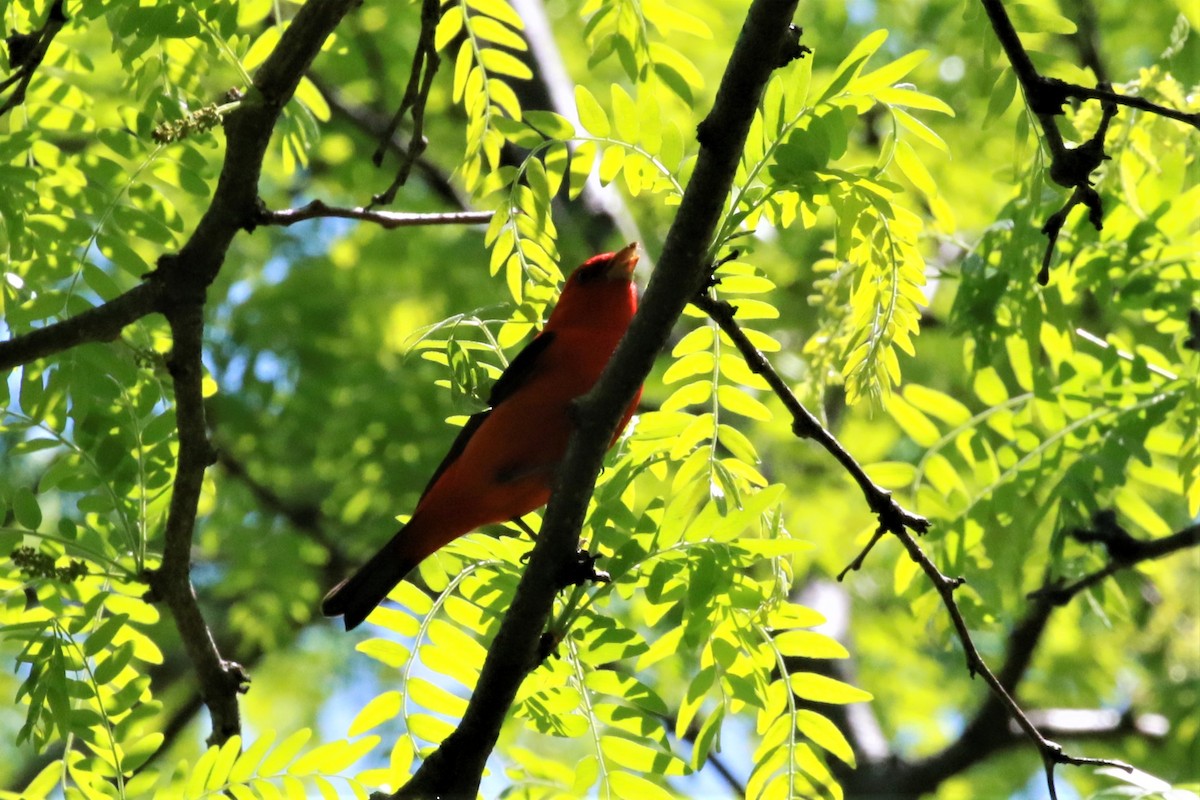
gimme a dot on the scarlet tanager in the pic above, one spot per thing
(503, 463)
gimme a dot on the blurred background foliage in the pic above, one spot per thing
(338, 350)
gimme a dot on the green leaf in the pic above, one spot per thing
(549, 124)
(628, 786)
(624, 116)
(500, 62)
(734, 399)
(852, 64)
(98, 639)
(248, 762)
(809, 644)
(380, 709)
(820, 689)
(26, 509)
(286, 751)
(888, 74)
(449, 27)
(591, 114)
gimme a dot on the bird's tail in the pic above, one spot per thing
(354, 598)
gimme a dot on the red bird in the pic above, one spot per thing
(503, 463)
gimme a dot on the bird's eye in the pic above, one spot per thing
(590, 272)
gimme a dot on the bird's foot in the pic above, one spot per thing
(583, 569)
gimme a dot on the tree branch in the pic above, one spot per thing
(100, 324)
(891, 516)
(220, 681)
(895, 520)
(385, 219)
(454, 769)
(1130, 553)
(1051, 752)
(1070, 168)
(26, 52)
(185, 279)
(425, 66)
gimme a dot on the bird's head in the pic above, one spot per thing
(600, 291)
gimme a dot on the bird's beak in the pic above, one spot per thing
(623, 262)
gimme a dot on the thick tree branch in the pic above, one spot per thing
(454, 769)
(99, 324)
(384, 219)
(185, 279)
(26, 52)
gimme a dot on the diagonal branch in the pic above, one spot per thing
(1070, 168)
(895, 520)
(26, 52)
(454, 769)
(892, 517)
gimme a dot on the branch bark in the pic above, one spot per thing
(387, 220)
(454, 769)
(100, 324)
(26, 52)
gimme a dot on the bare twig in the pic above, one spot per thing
(1051, 752)
(1069, 167)
(454, 769)
(374, 124)
(1128, 553)
(26, 52)
(897, 521)
(1106, 95)
(425, 65)
(385, 219)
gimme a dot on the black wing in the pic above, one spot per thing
(519, 369)
(513, 377)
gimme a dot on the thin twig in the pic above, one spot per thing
(1134, 552)
(1070, 168)
(425, 66)
(892, 516)
(1051, 752)
(897, 521)
(374, 124)
(385, 219)
(26, 52)
(1132, 101)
